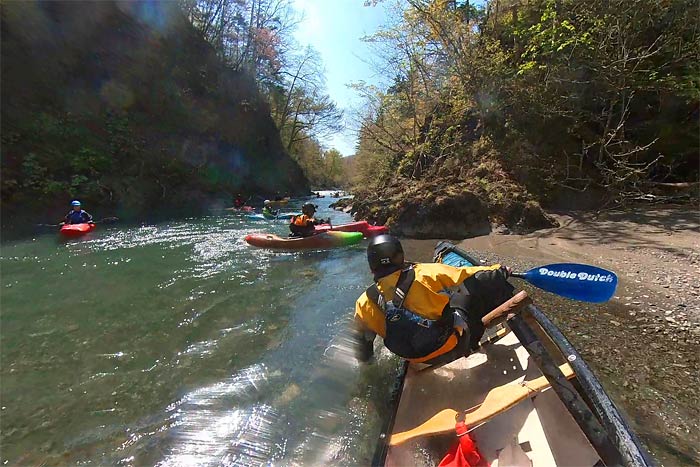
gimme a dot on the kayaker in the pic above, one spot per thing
(426, 312)
(77, 215)
(303, 226)
(267, 212)
(238, 202)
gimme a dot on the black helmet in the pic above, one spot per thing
(384, 251)
(309, 209)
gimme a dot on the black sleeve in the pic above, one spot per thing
(488, 289)
(485, 291)
(364, 344)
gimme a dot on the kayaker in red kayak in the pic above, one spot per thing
(238, 202)
(427, 313)
(303, 226)
(77, 215)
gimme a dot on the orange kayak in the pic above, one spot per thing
(322, 240)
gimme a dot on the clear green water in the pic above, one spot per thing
(180, 344)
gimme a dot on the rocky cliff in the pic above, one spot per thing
(125, 106)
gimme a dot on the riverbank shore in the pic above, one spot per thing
(644, 343)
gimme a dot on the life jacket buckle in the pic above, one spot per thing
(423, 323)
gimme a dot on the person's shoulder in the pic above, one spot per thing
(429, 267)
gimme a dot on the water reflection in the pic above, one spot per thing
(206, 430)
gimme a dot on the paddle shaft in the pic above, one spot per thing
(497, 400)
(513, 303)
(105, 219)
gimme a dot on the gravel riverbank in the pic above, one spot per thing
(644, 344)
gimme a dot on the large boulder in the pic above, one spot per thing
(454, 211)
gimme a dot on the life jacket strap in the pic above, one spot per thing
(403, 284)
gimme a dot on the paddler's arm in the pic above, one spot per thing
(369, 321)
(363, 341)
(441, 276)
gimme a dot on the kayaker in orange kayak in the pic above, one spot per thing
(77, 215)
(427, 313)
(303, 226)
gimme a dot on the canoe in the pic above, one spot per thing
(360, 226)
(528, 395)
(319, 241)
(279, 217)
(76, 230)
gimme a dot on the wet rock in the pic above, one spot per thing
(449, 209)
(342, 204)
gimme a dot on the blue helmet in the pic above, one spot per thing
(75, 203)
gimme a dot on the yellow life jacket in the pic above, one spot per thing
(425, 298)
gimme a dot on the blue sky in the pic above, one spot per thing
(334, 29)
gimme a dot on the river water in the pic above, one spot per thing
(180, 344)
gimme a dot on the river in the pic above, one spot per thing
(178, 343)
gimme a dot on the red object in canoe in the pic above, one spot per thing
(76, 230)
(359, 226)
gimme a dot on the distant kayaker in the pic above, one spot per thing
(426, 312)
(267, 212)
(238, 202)
(303, 226)
(77, 215)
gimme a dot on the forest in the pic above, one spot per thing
(518, 103)
(150, 110)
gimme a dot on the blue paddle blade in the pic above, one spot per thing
(576, 281)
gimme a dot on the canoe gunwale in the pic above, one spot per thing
(627, 444)
(569, 396)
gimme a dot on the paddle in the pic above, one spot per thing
(576, 281)
(105, 220)
(498, 400)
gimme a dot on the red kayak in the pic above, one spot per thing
(359, 226)
(76, 230)
(241, 209)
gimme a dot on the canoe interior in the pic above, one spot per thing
(541, 427)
